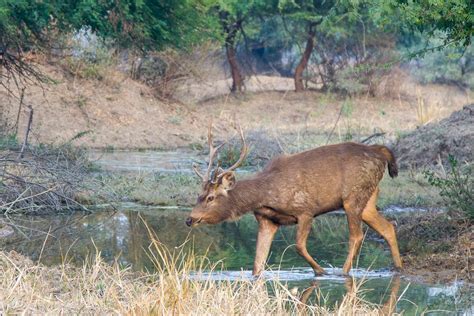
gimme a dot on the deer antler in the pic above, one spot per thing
(212, 154)
(243, 154)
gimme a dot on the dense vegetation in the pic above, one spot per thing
(343, 38)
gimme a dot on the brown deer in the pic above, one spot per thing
(293, 189)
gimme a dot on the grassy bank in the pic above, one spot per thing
(99, 288)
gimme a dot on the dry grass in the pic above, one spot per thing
(425, 111)
(99, 288)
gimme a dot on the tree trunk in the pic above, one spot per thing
(299, 86)
(231, 27)
(237, 80)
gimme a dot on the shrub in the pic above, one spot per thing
(351, 63)
(451, 65)
(8, 141)
(456, 188)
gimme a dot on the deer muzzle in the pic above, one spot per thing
(189, 221)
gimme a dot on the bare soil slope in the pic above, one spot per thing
(432, 143)
(121, 113)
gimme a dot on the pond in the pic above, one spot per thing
(123, 236)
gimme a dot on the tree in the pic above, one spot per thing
(141, 24)
(234, 15)
(231, 26)
(23, 24)
(309, 15)
(454, 18)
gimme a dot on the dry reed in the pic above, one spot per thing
(100, 288)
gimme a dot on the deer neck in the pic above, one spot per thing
(246, 196)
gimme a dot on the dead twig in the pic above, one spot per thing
(27, 133)
(335, 124)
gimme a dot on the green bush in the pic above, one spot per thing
(456, 188)
(451, 65)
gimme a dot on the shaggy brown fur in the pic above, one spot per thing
(294, 189)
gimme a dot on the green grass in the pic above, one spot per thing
(147, 188)
(408, 189)
(8, 141)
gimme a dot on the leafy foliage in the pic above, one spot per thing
(451, 65)
(455, 18)
(141, 23)
(457, 188)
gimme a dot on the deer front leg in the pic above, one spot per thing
(302, 232)
(266, 232)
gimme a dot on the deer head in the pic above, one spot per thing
(213, 204)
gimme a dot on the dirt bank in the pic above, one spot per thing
(436, 248)
(118, 112)
(432, 143)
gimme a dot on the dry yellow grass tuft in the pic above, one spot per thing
(100, 288)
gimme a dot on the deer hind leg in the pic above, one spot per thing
(372, 217)
(266, 232)
(302, 232)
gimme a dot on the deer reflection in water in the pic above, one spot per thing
(352, 291)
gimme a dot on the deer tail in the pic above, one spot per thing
(390, 157)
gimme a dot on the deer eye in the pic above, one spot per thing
(210, 198)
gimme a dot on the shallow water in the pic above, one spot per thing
(122, 236)
(175, 161)
(179, 160)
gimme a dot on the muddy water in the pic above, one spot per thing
(122, 236)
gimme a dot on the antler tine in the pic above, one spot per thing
(195, 168)
(212, 153)
(243, 152)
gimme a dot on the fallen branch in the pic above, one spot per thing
(367, 139)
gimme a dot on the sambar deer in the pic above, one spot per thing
(293, 189)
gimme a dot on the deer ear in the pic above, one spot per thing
(227, 181)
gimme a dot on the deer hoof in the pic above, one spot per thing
(320, 272)
(397, 270)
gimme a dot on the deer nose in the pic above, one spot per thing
(189, 221)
